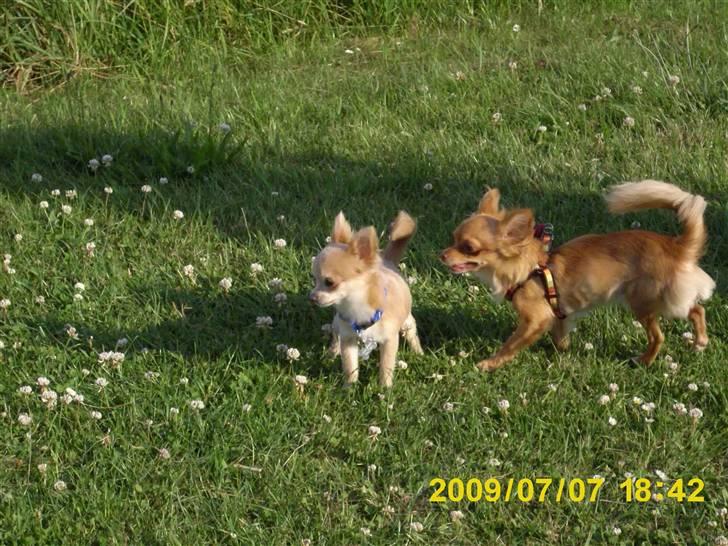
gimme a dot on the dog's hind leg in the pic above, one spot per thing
(697, 317)
(409, 331)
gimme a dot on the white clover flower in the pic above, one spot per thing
(722, 512)
(513, 65)
(673, 79)
(163, 180)
(456, 515)
(188, 270)
(660, 474)
(616, 531)
(613, 388)
(326, 418)
(196, 404)
(164, 453)
(648, 407)
(146, 188)
(43, 381)
(604, 399)
(151, 376)
(411, 280)
(636, 89)
(18, 237)
(679, 408)
(582, 107)
(184, 381)
(706, 385)
(25, 420)
(494, 462)
(280, 298)
(101, 382)
(4, 303)
(516, 28)
(93, 164)
(673, 366)
(79, 287)
(71, 194)
(90, 248)
(275, 284)
(628, 121)
(402, 365)
(66, 209)
(497, 117)
(542, 128)
(49, 398)
(437, 377)
(66, 399)
(416, 526)
(695, 413)
(173, 411)
(191, 169)
(88, 222)
(263, 322)
(281, 348)
(226, 283)
(178, 215)
(246, 408)
(293, 354)
(720, 540)
(363, 530)
(56, 193)
(552, 387)
(256, 268)
(108, 190)
(43, 204)
(374, 431)
(59, 486)
(607, 92)
(78, 297)
(25, 389)
(503, 405)
(107, 159)
(448, 406)
(588, 346)
(637, 401)
(280, 243)
(36, 177)
(612, 421)
(42, 468)
(95, 415)
(427, 187)
(692, 387)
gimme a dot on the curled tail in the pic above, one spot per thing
(401, 231)
(651, 194)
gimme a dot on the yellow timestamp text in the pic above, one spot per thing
(575, 490)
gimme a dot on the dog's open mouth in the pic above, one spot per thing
(463, 267)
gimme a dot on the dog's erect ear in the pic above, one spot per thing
(364, 244)
(342, 230)
(517, 226)
(489, 203)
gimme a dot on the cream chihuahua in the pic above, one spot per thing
(372, 300)
(655, 275)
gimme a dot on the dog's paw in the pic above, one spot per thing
(699, 347)
(488, 365)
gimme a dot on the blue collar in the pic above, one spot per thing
(358, 328)
(376, 317)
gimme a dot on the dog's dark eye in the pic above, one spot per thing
(329, 282)
(467, 248)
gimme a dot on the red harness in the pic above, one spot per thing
(544, 232)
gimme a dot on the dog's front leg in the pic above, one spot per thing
(530, 329)
(349, 359)
(387, 358)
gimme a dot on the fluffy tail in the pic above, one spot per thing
(651, 194)
(401, 231)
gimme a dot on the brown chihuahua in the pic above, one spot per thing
(654, 275)
(373, 301)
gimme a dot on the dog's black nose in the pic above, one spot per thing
(312, 297)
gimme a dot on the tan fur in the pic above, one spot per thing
(354, 277)
(654, 275)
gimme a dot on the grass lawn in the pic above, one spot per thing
(357, 121)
